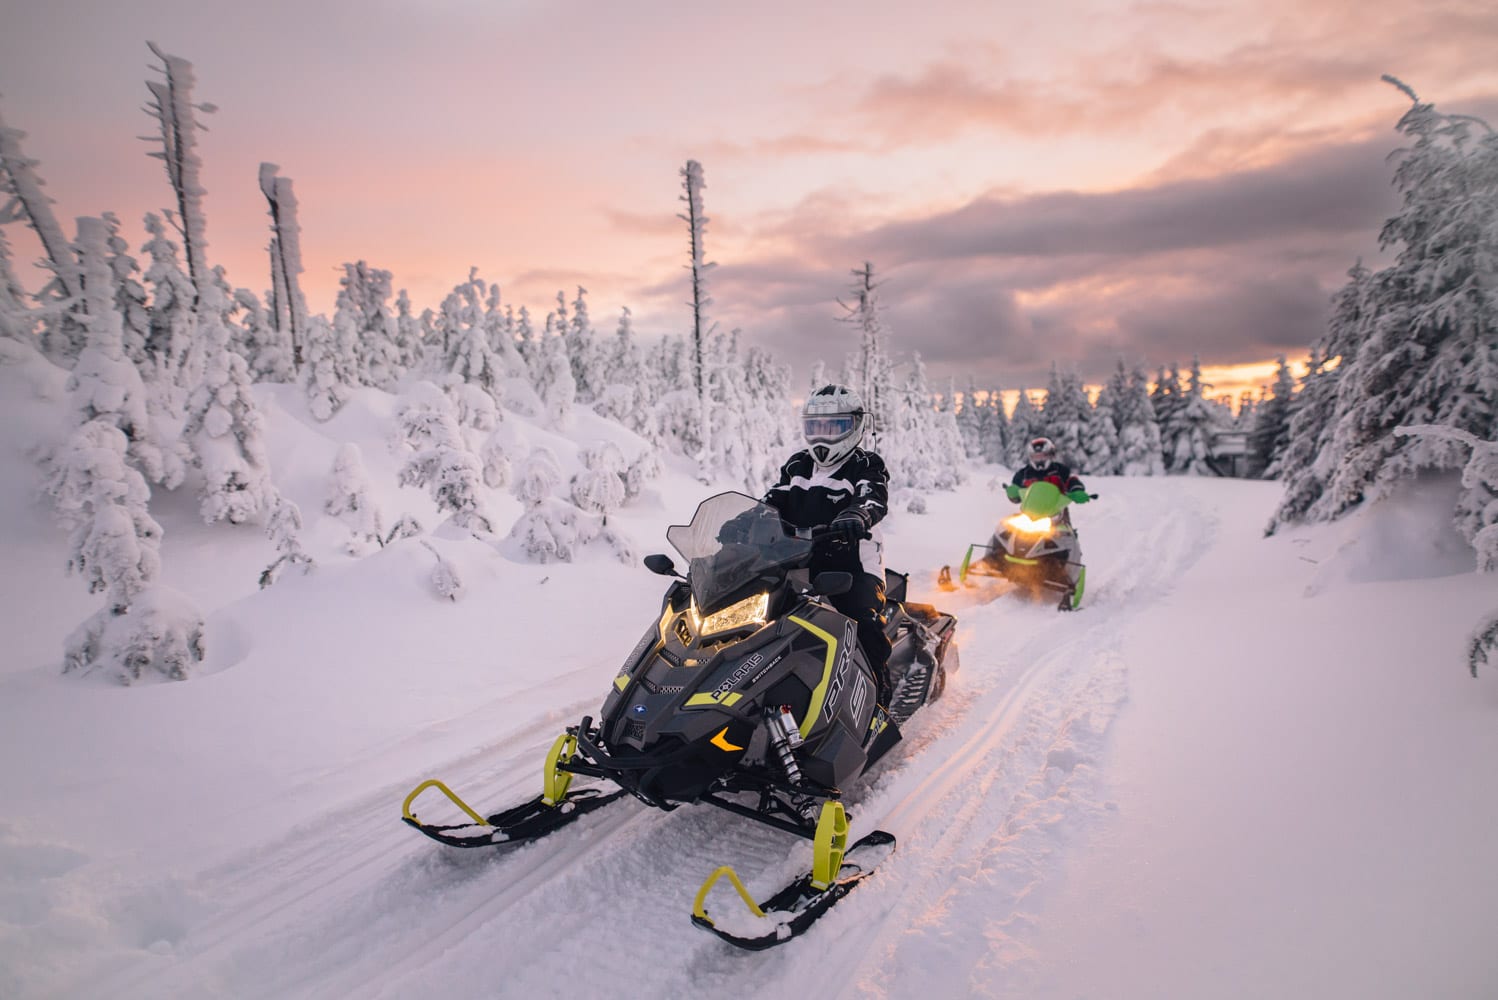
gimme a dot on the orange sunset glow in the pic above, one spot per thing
(1068, 183)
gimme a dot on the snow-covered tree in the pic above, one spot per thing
(549, 530)
(1428, 350)
(1103, 455)
(1064, 415)
(176, 114)
(599, 490)
(872, 370)
(445, 579)
(173, 320)
(1270, 433)
(105, 384)
(364, 292)
(160, 633)
(332, 364)
(350, 501)
(129, 294)
(283, 525)
(555, 385)
(288, 307)
(16, 319)
(224, 428)
(437, 458)
(1139, 447)
(23, 198)
(1024, 424)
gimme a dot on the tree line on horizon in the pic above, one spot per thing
(163, 354)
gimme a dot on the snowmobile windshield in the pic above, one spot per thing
(732, 540)
(1042, 499)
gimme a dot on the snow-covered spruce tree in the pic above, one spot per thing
(114, 543)
(1024, 424)
(437, 458)
(283, 526)
(288, 307)
(702, 327)
(350, 501)
(129, 294)
(1063, 416)
(409, 340)
(1270, 433)
(584, 353)
(599, 490)
(1139, 447)
(172, 322)
(625, 396)
(331, 369)
(499, 327)
(1429, 354)
(727, 413)
(21, 197)
(364, 293)
(923, 445)
(970, 417)
(445, 579)
(995, 432)
(1189, 446)
(266, 350)
(224, 428)
(115, 546)
(1479, 488)
(175, 113)
(873, 375)
(549, 530)
(16, 320)
(1102, 427)
(772, 418)
(644, 469)
(554, 374)
(105, 385)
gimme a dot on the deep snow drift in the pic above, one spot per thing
(1249, 767)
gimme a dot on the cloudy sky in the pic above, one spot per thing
(1068, 181)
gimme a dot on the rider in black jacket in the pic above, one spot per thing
(835, 483)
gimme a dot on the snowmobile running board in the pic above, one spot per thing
(789, 912)
(527, 821)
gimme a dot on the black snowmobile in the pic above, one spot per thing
(750, 694)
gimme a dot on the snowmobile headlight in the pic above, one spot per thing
(1025, 526)
(750, 611)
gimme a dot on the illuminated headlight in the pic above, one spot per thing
(1025, 526)
(750, 611)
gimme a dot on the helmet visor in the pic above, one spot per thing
(829, 429)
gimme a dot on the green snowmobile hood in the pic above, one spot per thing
(1042, 499)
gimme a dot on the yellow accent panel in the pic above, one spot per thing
(831, 841)
(727, 700)
(434, 783)
(621, 682)
(1022, 562)
(819, 693)
(721, 741)
(554, 780)
(697, 909)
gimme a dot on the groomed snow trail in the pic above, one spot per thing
(989, 790)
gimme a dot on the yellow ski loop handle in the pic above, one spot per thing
(554, 779)
(698, 911)
(434, 783)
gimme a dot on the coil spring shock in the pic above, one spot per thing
(785, 736)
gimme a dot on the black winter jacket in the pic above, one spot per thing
(809, 497)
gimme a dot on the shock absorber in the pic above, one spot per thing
(785, 737)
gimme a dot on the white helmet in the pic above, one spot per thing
(1042, 452)
(832, 420)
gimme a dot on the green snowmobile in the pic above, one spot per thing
(1037, 548)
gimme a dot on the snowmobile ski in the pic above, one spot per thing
(789, 912)
(525, 822)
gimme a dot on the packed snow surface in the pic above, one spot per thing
(1248, 767)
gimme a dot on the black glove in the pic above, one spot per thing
(849, 526)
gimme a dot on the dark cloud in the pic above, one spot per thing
(1233, 268)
